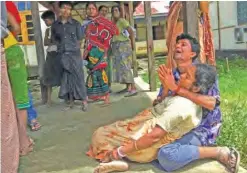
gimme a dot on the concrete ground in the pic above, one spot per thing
(61, 144)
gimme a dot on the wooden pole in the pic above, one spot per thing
(150, 49)
(122, 9)
(190, 18)
(39, 47)
(218, 17)
(132, 23)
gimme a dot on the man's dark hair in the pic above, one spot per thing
(61, 3)
(91, 3)
(205, 77)
(102, 6)
(48, 15)
(115, 6)
(195, 46)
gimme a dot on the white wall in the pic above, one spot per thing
(228, 21)
(30, 50)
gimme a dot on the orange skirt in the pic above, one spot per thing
(112, 136)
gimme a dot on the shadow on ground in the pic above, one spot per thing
(61, 144)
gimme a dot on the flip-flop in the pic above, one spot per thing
(233, 152)
(35, 126)
(231, 167)
(131, 93)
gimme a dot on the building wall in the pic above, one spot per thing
(228, 15)
(140, 27)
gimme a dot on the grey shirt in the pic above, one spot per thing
(67, 36)
(4, 30)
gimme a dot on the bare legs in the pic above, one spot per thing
(49, 92)
(26, 144)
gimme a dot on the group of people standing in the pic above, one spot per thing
(107, 54)
(180, 127)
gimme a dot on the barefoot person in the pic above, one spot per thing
(67, 34)
(96, 48)
(52, 69)
(139, 138)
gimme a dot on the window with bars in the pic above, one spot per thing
(158, 33)
(27, 31)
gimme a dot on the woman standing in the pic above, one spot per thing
(18, 76)
(122, 52)
(98, 32)
(9, 129)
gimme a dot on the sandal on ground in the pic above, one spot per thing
(232, 165)
(35, 126)
(131, 93)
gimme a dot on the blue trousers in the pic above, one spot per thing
(176, 155)
(31, 112)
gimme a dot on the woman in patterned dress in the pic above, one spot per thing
(98, 33)
(122, 46)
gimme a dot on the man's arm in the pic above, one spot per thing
(53, 34)
(205, 101)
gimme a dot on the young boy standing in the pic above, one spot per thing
(52, 68)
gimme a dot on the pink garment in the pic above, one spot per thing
(9, 127)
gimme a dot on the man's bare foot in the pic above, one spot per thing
(230, 157)
(115, 165)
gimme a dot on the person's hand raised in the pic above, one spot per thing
(166, 78)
